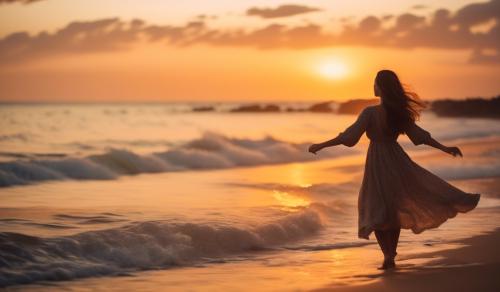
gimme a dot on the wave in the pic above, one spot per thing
(15, 136)
(211, 151)
(466, 170)
(139, 246)
(321, 247)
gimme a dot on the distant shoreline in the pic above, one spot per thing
(470, 108)
(478, 107)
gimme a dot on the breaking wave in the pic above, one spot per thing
(211, 151)
(466, 170)
(141, 246)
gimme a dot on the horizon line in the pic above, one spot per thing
(56, 102)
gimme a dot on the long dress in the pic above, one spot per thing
(396, 192)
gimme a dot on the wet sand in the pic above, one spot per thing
(471, 264)
(473, 267)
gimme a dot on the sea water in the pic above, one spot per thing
(172, 198)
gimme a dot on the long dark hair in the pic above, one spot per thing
(402, 106)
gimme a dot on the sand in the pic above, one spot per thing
(473, 267)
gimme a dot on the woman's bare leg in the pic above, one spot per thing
(388, 241)
(394, 238)
(383, 241)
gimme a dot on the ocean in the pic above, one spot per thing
(156, 196)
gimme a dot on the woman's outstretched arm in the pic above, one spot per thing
(317, 147)
(420, 136)
(450, 150)
(349, 137)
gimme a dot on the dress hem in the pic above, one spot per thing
(418, 231)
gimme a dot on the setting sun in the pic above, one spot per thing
(333, 69)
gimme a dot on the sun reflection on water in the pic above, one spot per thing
(290, 201)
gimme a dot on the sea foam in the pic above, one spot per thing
(141, 246)
(211, 151)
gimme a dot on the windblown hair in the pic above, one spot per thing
(402, 107)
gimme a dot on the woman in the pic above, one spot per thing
(396, 192)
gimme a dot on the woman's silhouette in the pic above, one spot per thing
(396, 192)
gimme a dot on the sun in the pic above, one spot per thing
(333, 69)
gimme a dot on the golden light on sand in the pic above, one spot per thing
(333, 69)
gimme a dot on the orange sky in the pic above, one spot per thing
(250, 51)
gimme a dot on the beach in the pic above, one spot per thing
(469, 264)
(472, 267)
(153, 197)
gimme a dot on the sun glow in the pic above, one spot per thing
(333, 69)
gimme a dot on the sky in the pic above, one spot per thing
(227, 50)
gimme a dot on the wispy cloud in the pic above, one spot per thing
(443, 29)
(419, 7)
(281, 11)
(77, 37)
(18, 1)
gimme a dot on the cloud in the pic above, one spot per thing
(104, 35)
(281, 11)
(477, 13)
(443, 29)
(77, 37)
(18, 1)
(419, 7)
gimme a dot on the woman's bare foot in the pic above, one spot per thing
(388, 263)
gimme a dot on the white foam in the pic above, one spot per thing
(211, 151)
(140, 246)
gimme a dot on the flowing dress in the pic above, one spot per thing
(396, 192)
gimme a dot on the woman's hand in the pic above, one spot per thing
(453, 151)
(315, 148)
